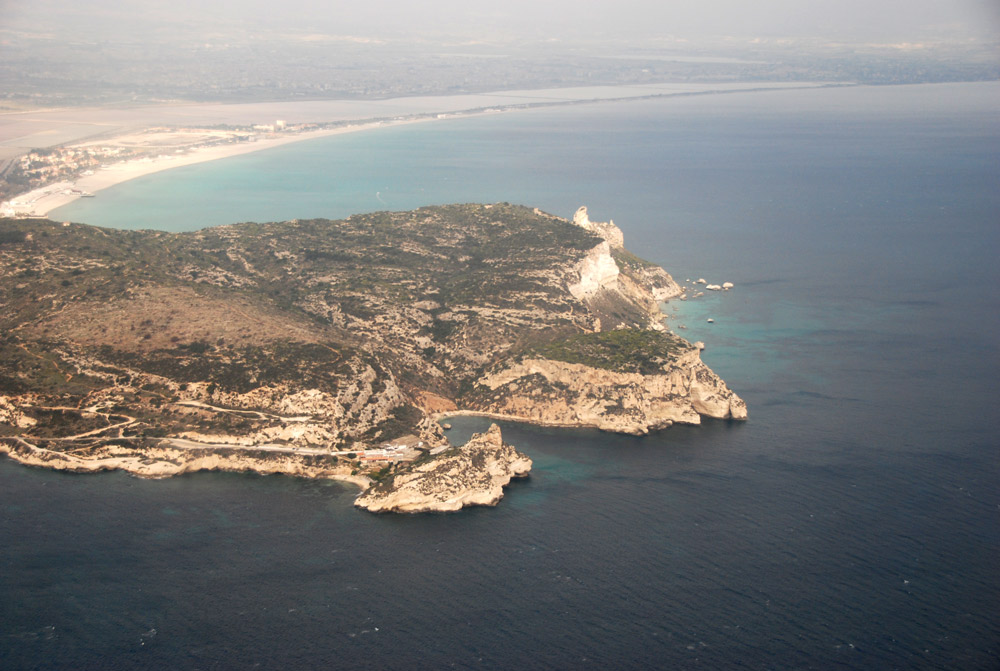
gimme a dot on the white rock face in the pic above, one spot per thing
(713, 287)
(161, 461)
(472, 475)
(595, 271)
(313, 418)
(658, 282)
(567, 394)
(606, 230)
(641, 285)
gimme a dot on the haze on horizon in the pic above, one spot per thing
(890, 21)
(57, 53)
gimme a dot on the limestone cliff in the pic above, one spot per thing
(160, 459)
(472, 475)
(594, 272)
(627, 382)
(605, 229)
(615, 283)
(660, 283)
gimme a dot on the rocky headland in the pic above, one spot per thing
(561, 393)
(471, 475)
(326, 348)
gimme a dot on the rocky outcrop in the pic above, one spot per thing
(611, 274)
(662, 286)
(605, 229)
(596, 271)
(571, 394)
(472, 475)
(365, 398)
(161, 460)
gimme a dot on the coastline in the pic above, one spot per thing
(172, 461)
(40, 202)
(44, 200)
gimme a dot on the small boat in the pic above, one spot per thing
(710, 320)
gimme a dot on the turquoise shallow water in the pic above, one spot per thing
(851, 523)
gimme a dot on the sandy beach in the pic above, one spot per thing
(40, 202)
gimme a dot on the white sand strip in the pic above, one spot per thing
(40, 202)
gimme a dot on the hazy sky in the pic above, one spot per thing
(850, 20)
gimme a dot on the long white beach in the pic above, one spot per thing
(42, 201)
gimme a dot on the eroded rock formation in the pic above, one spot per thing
(605, 229)
(572, 394)
(471, 475)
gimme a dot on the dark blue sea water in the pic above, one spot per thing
(853, 522)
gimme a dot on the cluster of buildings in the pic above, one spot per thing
(44, 166)
(278, 125)
(406, 448)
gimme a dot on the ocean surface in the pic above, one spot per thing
(852, 523)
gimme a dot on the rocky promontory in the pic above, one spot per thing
(471, 475)
(326, 348)
(561, 393)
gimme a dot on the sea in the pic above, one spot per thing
(853, 522)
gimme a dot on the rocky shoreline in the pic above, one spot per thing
(474, 474)
(573, 395)
(161, 460)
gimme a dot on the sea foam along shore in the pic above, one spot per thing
(42, 201)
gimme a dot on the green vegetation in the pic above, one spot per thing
(624, 351)
(400, 422)
(12, 237)
(39, 367)
(379, 474)
(240, 369)
(626, 260)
